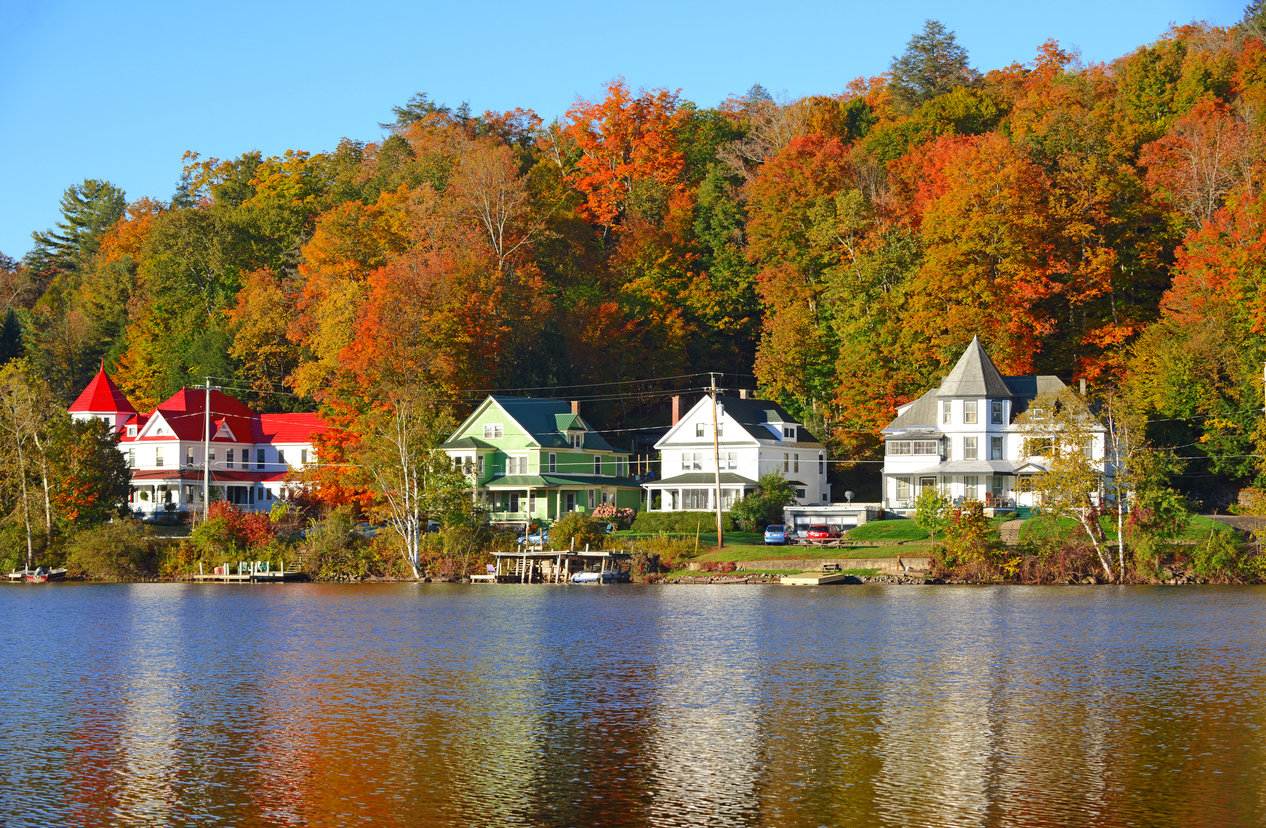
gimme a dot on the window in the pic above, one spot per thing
(691, 461)
(492, 431)
(619, 466)
(903, 488)
(480, 464)
(131, 458)
(553, 463)
(1038, 446)
(576, 440)
(281, 456)
(531, 507)
(597, 465)
(926, 447)
(786, 462)
(720, 429)
(789, 432)
(303, 457)
(969, 411)
(592, 499)
(900, 447)
(131, 431)
(259, 463)
(946, 407)
(970, 483)
(211, 455)
(969, 448)
(229, 458)
(1089, 448)
(516, 465)
(800, 493)
(158, 457)
(188, 455)
(731, 460)
(699, 430)
(795, 464)
(1024, 483)
(694, 498)
(514, 502)
(995, 483)
(949, 448)
(995, 448)
(995, 412)
(822, 465)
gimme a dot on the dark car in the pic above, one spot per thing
(821, 532)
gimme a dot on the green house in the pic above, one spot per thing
(537, 459)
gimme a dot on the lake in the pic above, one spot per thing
(448, 705)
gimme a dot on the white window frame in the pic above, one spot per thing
(553, 463)
(971, 450)
(493, 431)
(700, 430)
(969, 411)
(597, 464)
(996, 412)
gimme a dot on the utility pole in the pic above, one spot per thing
(206, 449)
(716, 462)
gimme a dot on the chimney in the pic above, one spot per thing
(676, 408)
(742, 393)
(575, 406)
(1083, 386)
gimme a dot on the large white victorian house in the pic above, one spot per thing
(248, 455)
(961, 437)
(754, 437)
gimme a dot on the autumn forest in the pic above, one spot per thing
(836, 252)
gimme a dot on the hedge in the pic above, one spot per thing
(652, 522)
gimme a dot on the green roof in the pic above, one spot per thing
(545, 421)
(467, 443)
(522, 481)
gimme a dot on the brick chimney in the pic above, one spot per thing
(575, 406)
(676, 408)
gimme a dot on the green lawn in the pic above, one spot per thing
(901, 529)
(1038, 528)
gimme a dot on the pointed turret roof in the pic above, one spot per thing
(102, 396)
(975, 375)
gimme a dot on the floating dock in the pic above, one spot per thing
(820, 579)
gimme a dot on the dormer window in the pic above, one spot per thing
(789, 432)
(576, 440)
(131, 431)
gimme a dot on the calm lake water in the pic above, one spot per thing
(445, 705)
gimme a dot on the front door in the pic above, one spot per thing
(569, 502)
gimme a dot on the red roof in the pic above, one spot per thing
(184, 414)
(102, 396)
(288, 428)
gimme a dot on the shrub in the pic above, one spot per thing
(576, 527)
(622, 517)
(972, 548)
(655, 522)
(672, 552)
(645, 565)
(333, 552)
(125, 550)
(1221, 557)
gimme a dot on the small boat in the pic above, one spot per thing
(610, 576)
(38, 576)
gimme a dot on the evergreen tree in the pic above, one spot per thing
(88, 210)
(10, 337)
(932, 64)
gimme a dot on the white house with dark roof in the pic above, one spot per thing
(248, 455)
(755, 437)
(961, 437)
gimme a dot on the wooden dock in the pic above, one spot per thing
(254, 572)
(555, 566)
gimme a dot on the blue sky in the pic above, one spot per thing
(121, 91)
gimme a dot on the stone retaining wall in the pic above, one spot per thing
(807, 564)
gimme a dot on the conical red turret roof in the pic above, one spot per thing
(102, 396)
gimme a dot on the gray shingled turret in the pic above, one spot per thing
(975, 375)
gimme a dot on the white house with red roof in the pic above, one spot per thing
(248, 455)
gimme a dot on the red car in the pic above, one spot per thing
(821, 532)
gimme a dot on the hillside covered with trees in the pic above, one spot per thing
(1102, 221)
